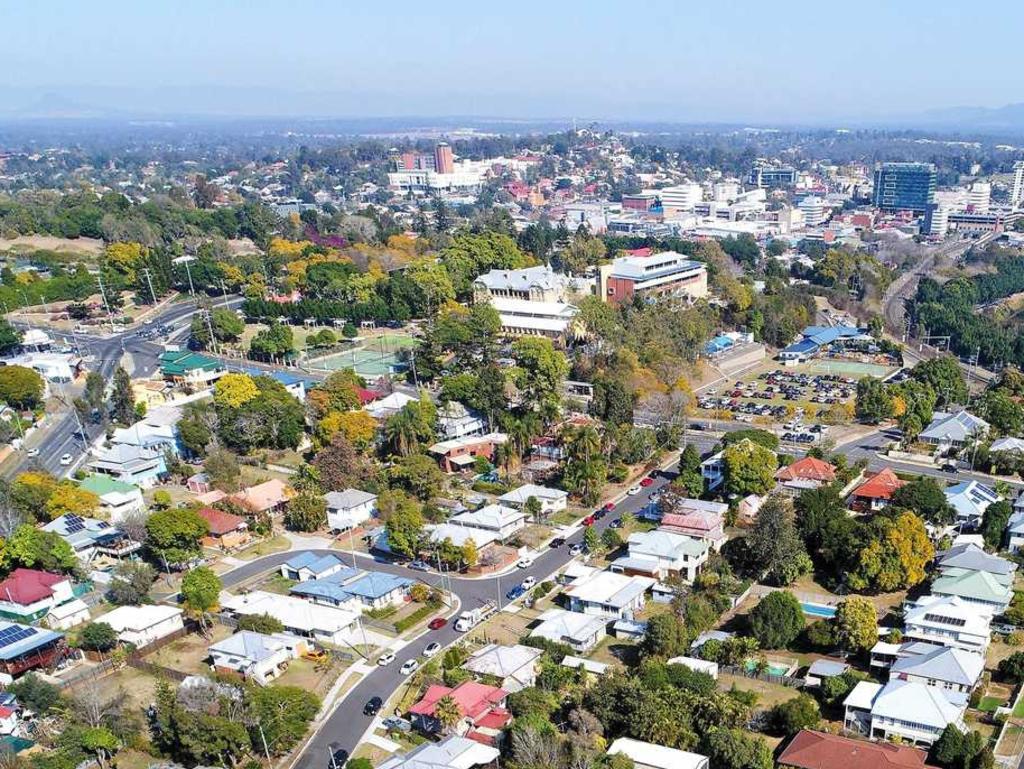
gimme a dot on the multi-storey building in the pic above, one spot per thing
(905, 186)
(665, 273)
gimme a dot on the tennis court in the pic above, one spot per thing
(851, 368)
(376, 357)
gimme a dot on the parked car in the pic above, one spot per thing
(338, 757)
(431, 649)
(634, 491)
(32, 453)
(609, 507)
(419, 566)
(588, 521)
(396, 724)
(598, 514)
(386, 658)
(616, 524)
(528, 583)
(557, 542)
(410, 667)
(576, 549)
(525, 562)
(950, 467)
(372, 706)
(437, 623)
(65, 460)
(646, 482)
(514, 593)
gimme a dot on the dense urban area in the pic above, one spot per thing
(568, 448)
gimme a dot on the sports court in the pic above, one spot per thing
(375, 357)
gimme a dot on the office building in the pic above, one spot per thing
(905, 186)
(767, 176)
(1017, 188)
(681, 197)
(659, 274)
(444, 160)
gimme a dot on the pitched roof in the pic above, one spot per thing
(970, 499)
(930, 705)
(953, 427)
(818, 750)
(881, 485)
(451, 753)
(17, 640)
(657, 756)
(26, 586)
(502, 661)
(314, 562)
(249, 644)
(221, 522)
(807, 469)
(955, 666)
(101, 485)
(180, 363)
(972, 585)
(970, 556)
(473, 699)
(264, 496)
(347, 499)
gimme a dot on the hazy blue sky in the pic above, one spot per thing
(788, 60)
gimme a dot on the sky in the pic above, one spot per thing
(787, 61)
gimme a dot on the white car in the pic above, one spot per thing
(528, 583)
(634, 491)
(32, 453)
(525, 562)
(410, 667)
(65, 460)
(432, 649)
(386, 658)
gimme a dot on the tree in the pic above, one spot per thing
(1012, 668)
(122, 400)
(591, 539)
(925, 497)
(403, 522)
(35, 694)
(855, 624)
(131, 583)
(97, 637)
(260, 623)
(284, 712)
(227, 326)
(70, 498)
(221, 467)
(533, 509)
(306, 512)
(418, 474)
(234, 390)
(338, 464)
(611, 539)
(665, 636)
(895, 557)
(470, 553)
(358, 426)
(945, 378)
(777, 620)
(21, 387)
(200, 589)
(800, 712)
(874, 403)
(10, 337)
(539, 372)
(749, 468)
(174, 535)
(994, 522)
(447, 713)
(275, 341)
(775, 544)
(736, 749)
(37, 549)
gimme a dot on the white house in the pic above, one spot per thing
(608, 594)
(1015, 528)
(459, 535)
(308, 565)
(349, 508)
(551, 500)
(970, 499)
(948, 621)
(944, 667)
(953, 430)
(712, 470)
(647, 755)
(456, 421)
(515, 666)
(582, 632)
(67, 615)
(697, 665)
(450, 753)
(324, 623)
(142, 625)
(117, 499)
(661, 553)
(391, 404)
(502, 521)
(911, 711)
(256, 656)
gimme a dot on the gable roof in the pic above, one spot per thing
(26, 586)
(451, 753)
(955, 666)
(970, 499)
(972, 585)
(520, 495)
(957, 426)
(881, 485)
(180, 363)
(249, 645)
(818, 750)
(559, 624)
(101, 485)
(347, 499)
(264, 496)
(930, 705)
(473, 699)
(970, 556)
(221, 522)
(807, 469)
(502, 661)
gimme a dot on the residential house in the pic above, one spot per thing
(1008, 445)
(909, 711)
(980, 587)
(305, 618)
(971, 556)
(884, 654)
(456, 421)
(481, 707)
(267, 497)
(158, 430)
(190, 369)
(461, 453)
(804, 473)
(943, 667)
(582, 632)
(820, 750)
(876, 491)
(460, 535)
(130, 464)
(609, 594)
(551, 500)
(970, 500)
(697, 519)
(593, 667)
(257, 657)
(515, 666)
(450, 753)
(712, 470)
(384, 407)
(823, 669)
(953, 430)
(227, 531)
(647, 755)
(695, 664)
(948, 621)
(502, 521)
(661, 552)
(67, 615)
(25, 648)
(90, 537)
(309, 565)
(9, 719)
(143, 625)
(1015, 528)
(117, 500)
(356, 590)
(349, 508)
(199, 483)
(29, 595)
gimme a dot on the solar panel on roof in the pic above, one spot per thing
(14, 633)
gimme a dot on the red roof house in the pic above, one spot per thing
(28, 594)
(482, 708)
(226, 529)
(876, 491)
(817, 750)
(805, 473)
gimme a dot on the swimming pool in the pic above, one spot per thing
(775, 668)
(818, 610)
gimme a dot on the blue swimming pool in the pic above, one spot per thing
(818, 610)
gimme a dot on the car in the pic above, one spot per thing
(65, 460)
(616, 524)
(634, 491)
(386, 658)
(576, 549)
(646, 482)
(609, 507)
(396, 724)
(525, 562)
(598, 514)
(950, 467)
(316, 655)
(588, 521)
(557, 542)
(528, 583)
(419, 566)
(410, 667)
(338, 756)
(32, 453)
(514, 593)
(373, 706)
(437, 623)
(431, 649)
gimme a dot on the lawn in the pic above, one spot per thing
(277, 544)
(989, 704)
(1012, 740)
(189, 654)
(615, 652)
(503, 628)
(768, 694)
(565, 517)
(311, 676)
(1018, 710)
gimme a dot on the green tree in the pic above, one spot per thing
(284, 712)
(775, 544)
(131, 583)
(855, 624)
(21, 387)
(591, 539)
(200, 589)
(447, 713)
(533, 509)
(1012, 668)
(895, 556)
(37, 549)
(260, 623)
(749, 468)
(403, 522)
(122, 400)
(945, 377)
(306, 512)
(418, 474)
(98, 637)
(174, 535)
(777, 620)
(665, 636)
(39, 696)
(539, 372)
(227, 326)
(800, 712)
(736, 749)
(10, 337)
(925, 497)
(994, 522)
(874, 403)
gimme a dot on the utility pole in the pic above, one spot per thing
(106, 304)
(224, 291)
(149, 280)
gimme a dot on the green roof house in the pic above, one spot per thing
(979, 587)
(117, 498)
(190, 368)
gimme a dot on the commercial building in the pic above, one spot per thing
(681, 197)
(1017, 186)
(665, 273)
(905, 187)
(772, 177)
(554, 320)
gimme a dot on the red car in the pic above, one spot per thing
(588, 521)
(646, 482)
(437, 623)
(609, 507)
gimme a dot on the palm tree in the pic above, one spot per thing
(400, 433)
(586, 443)
(447, 712)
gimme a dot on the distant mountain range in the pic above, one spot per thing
(1009, 117)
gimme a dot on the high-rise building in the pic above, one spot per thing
(905, 186)
(769, 176)
(978, 197)
(444, 161)
(1017, 190)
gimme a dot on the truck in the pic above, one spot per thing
(470, 618)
